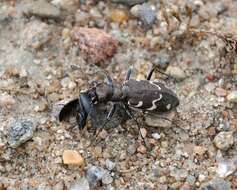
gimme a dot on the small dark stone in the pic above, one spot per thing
(129, 2)
(162, 59)
(94, 175)
(20, 131)
(216, 184)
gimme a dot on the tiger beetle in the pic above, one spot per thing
(144, 95)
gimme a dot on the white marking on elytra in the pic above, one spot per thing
(154, 106)
(140, 103)
(168, 106)
(155, 85)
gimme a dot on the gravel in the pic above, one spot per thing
(42, 9)
(43, 62)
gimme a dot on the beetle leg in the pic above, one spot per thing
(128, 74)
(153, 69)
(108, 117)
(150, 73)
(131, 115)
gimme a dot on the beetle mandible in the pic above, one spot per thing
(145, 95)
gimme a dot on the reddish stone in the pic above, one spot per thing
(185, 187)
(95, 44)
(210, 77)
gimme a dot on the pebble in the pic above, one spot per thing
(224, 140)
(69, 5)
(232, 96)
(42, 9)
(36, 34)
(94, 174)
(21, 131)
(145, 13)
(156, 136)
(98, 151)
(185, 187)
(132, 149)
(143, 132)
(199, 150)
(178, 174)
(119, 16)
(59, 186)
(201, 178)
(175, 72)
(107, 178)
(97, 45)
(210, 87)
(190, 180)
(109, 164)
(220, 92)
(67, 83)
(195, 21)
(72, 157)
(81, 184)
(156, 121)
(103, 134)
(6, 101)
(142, 149)
(41, 106)
(226, 167)
(216, 184)
(129, 2)
(162, 59)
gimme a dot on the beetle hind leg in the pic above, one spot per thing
(131, 115)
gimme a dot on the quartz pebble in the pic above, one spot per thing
(145, 13)
(175, 72)
(107, 178)
(81, 184)
(109, 164)
(224, 140)
(232, 96)
(226, 167)
(72, 157)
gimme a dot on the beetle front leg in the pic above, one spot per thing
(150, 73)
